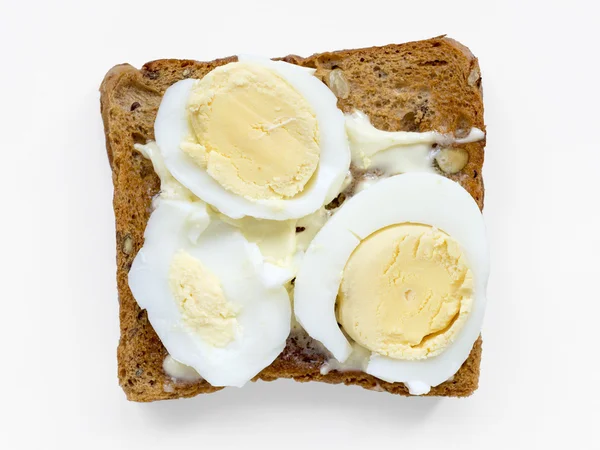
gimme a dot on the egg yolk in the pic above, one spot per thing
(406, 292)
(252, 132)
(201, 301)
(276, 240)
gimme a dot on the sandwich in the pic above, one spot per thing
(313, 218)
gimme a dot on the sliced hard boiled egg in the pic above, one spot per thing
(201, 282)
(431, 271)
(256, 138)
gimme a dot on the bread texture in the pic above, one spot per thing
(433, 84)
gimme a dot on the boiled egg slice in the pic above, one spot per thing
(419, 200)
(201, 283)
(255, 138)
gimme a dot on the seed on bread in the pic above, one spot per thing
(336, 202)
(127, 245)
(451, 160)
(338, 83)
(474, 77)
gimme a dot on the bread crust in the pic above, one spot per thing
(433, 84)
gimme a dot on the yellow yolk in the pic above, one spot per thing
(406, 292)
(201, 301)
(253, 132)
(275, 239)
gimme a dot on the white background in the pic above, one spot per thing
(58, 320)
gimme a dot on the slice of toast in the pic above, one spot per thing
(433, 84)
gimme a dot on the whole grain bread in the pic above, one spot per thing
(433, 84)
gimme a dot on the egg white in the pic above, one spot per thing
(418, 198)
(171, 128)
(265, 311)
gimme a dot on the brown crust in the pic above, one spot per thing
(424, 85)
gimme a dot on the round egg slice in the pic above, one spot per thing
(413, 203)
(256, 138)
(201, 283)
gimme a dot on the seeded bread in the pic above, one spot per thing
(433, 84)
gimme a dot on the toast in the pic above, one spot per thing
(427, 85)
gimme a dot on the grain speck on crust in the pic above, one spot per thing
(127, 245)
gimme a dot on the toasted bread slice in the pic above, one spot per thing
(433, 84)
